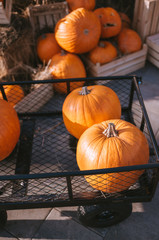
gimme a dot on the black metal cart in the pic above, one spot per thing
(42, 170)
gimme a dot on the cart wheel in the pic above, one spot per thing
(3, 218)
(104, 215)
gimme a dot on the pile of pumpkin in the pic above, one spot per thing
(86, 30)
(92, 114)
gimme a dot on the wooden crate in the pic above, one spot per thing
(153, 49)
(46, 15)
(121, 66)
(5, 12)
(146, 18)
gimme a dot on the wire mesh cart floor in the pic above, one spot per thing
(42, 170)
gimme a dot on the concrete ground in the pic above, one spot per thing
(62, 223)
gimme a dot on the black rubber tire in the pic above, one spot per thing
(104, 215)
(3, 218)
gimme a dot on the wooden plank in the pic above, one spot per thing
(47, 15)
(153, 42)
(123, 60)
(146, 17)
(146, 22)
(153, 53)
(139, 16)
(5, 13)
(122, 67)
(135, 15)
(118, 64)
(153, 60)
(124, 71)
(155, 19)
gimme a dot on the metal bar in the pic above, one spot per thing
(80, 173)
(3, 93)
(24, 156)
(62, 203)
(131, 95)
(69, 186)
(70, 80)
(146, 118)
(142, 123)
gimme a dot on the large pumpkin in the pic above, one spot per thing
(111, 144)
(86, 106)
(79, 31)
(104, 52)
(47, 46)
(110, 21)
(87, 4)
(129, 41)
(67, 65)
(14, 93)
(9, 129)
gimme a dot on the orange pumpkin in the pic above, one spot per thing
(104, 52)
(129, 41)
(87, 4)
(79, 31)
(126, 22)
(111, 144)
(110, 21)
(47, 46)
(67, 65)
(86, 106)
(14, 93)
(9, 129)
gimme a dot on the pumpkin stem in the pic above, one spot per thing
(84, 91)
(63, 52)
(86, 31)
(101, 44)
(110, 131)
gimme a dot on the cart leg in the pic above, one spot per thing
(3, 218)
(104, 215)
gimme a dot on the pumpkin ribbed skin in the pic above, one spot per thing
(95, 150)
(110, 21)
(9, 129)
(14, 94)
(82, 111)
(87, 4)
(129, 41)
(79, 31)
(67, 65)
(47, 47)
(104, 52)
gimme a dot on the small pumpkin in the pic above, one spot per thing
(67, 65)
(129, 41)
(126, 22)
(87, 4)
(9, 129)
(110, 21)
(111, 144)
(47, 46)
(104, 52)
(14, 94)
(86, 106)
(79, 31)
